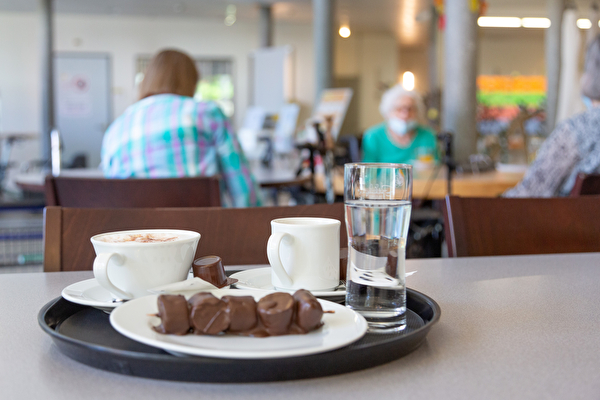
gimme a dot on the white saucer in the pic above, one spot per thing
(260, 279)
(339, 329)
(90, 293)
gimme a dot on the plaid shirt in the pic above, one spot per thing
(168, 136)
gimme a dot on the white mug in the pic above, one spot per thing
(304, 253)
(128, 268)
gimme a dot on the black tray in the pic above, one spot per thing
(84, 334)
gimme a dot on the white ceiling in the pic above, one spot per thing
(396, 16)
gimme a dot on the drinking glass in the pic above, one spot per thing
(377, 198)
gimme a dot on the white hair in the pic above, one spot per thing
(389, 98)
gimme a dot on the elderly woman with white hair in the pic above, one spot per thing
(402, 138)
(573, 146)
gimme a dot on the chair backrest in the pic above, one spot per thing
(238, 235)
(586, 184)
(510, 226)
(123, 193)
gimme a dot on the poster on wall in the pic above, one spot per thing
(272, 77)
(333, 102)
(76, 100)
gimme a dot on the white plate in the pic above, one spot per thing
(340, 329)
(260, 279)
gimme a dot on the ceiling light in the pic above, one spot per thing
(584, 23)
(230, 20)
(535, 22)
(345, 31)
(499, 22)
(408, 80)
(230, 12)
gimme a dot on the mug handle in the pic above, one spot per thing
(101, 274)
(274, 259)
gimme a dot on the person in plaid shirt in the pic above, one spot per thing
(168, 134)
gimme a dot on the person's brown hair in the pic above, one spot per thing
(170, 71)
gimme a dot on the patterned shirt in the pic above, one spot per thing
(569, 150)
(169, 136)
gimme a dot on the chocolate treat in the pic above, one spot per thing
(275, 311)
(208, 314)
(392, 263)
(308, 311)
(343, 263)
(275, 314)
(242, 312)
(210, 269)
(173, 314)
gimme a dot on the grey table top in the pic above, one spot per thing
(522, 327)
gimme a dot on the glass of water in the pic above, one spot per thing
(378, 205)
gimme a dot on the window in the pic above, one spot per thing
(216, 80)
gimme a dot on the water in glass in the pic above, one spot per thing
(376, 288)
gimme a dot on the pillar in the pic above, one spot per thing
(432, 52)
(266, 25)
(46, 65)
(555, 11)
(594, 15)
(323, 44)
(459, 101)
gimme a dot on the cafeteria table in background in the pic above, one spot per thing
(432, 183)
(273, 179)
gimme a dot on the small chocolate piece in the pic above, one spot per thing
(208, 314)
(308, 311)
(173, 314)
(275, 311)
(210, 269)
(242, 312)
(392, 263)
(343, 263)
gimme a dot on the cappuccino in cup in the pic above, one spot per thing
(139, 238)
(128, 263)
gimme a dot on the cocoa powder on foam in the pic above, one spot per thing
(138, 238)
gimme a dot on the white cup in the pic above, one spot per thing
(129, 268)
(304, 253)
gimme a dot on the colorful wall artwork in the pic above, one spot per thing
(501, 99)
(510, 116)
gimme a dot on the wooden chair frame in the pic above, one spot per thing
(238, 235)
(510, 226)
(124, 193)
(586, 184)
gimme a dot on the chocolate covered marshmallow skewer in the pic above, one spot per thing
(275, 314)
